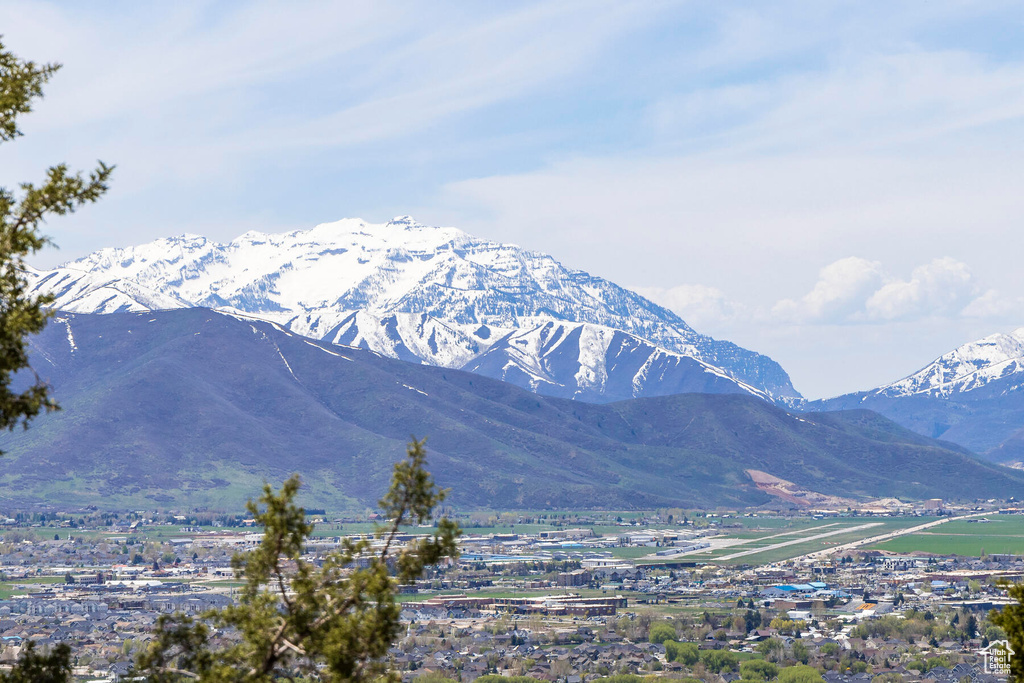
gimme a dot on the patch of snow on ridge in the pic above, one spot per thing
(419, 391)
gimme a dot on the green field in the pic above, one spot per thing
(797, 549)
(9, 588)
(998, 525)
(768, 537)
(802, 528)
(774, 523)
(1003, 534)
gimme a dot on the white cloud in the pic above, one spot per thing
(902, 154)
(754, 226)
(855, 290)
(840, 292)
(364, 71)
(851, 290)
(993, 305)
(699, 305)
(879, 101)
(941, 288)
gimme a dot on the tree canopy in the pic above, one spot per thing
(799, 674)
(21, 214)
(684, 653)
(661, 631)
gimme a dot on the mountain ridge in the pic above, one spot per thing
(972, 396)
(411, 291)
(968, 367)
(195, 407)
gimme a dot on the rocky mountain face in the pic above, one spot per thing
(972, 396)
(194, 407)
(431, 295)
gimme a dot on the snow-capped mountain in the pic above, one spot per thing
(973, 396)
(427, 294)
(970, 367)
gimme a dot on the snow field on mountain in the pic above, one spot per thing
(418, 293)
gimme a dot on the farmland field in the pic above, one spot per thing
(804, 530)
(18, 586)
(1002, 534)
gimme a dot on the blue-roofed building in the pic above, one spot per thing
(794, 589)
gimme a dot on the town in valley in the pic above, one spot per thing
(566, 597)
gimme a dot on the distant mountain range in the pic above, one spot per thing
(972, 396)
(193, 407)
(439, 297)
(431, 295)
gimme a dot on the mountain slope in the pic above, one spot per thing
(194, 407)
(594, 363)
(972, 396)
(408, 291)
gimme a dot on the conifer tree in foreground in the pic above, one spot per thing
(21, 214)
(35, 667)
(333, 622)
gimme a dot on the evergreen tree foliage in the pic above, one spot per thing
(21, 214)
(32, 667)
(334, 621)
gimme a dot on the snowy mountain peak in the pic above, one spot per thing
(968, 367)
(403, 222)
(972, 396)
(401, 288)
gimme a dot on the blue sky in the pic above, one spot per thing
(835, 184)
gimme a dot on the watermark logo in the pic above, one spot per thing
(997, 657)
